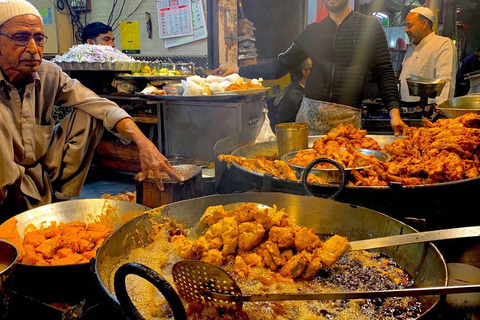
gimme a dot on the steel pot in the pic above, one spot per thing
(423, 261)
(68, 283)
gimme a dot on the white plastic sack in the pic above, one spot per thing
(266, 133)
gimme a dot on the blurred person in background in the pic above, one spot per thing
(470, 64)
(98, 33)
(287, 103)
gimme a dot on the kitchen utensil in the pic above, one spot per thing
(202, 282)
(425, 87)
(291, 137)
(459, 106)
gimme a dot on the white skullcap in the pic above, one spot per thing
(427, 13)
(13, 8)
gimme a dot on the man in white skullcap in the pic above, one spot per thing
(430, 56)
(40, 164)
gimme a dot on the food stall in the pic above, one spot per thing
(272, 234)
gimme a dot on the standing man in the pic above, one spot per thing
(40, 163)
(430, 56)
(286, 105)
(98, 33)
(345, 47)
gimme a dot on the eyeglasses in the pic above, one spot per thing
(22, 39)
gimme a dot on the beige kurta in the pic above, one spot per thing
(34, 162)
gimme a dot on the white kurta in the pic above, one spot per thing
(435, 57)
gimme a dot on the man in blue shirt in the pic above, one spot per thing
(471, 63)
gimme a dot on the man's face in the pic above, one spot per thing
(415, 28)
(336, 5)
(105, 39)
(16, 59)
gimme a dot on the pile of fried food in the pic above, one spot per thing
(256, 237)
(57, 244)
(265, 252)
(444, 151)
(341, 144)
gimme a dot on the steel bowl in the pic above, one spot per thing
(333, 175)
(425, 87)
(459, 106)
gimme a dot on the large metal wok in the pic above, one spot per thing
(423, 261)
(432, 203)
(69, 283)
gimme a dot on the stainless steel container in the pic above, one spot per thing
(291, 137)
(192, 187)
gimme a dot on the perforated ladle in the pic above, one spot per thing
(204, 283)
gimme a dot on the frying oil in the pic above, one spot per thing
(357, 270)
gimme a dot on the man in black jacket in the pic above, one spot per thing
(344, 47)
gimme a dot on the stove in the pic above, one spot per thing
(91, 308)
(375, 118)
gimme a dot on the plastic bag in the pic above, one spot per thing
(266, 133)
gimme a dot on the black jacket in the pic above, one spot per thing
(342, 58)
(288, 102)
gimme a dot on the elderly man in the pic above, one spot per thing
(430, 56)
(345, 47)
(40, 164)
(98, 33)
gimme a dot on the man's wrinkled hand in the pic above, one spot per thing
(154, 163)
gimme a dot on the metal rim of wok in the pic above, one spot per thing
(55, 283)
(380, 155)
(459, 106)
(423, 261)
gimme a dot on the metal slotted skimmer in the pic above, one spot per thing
(203, 283)
(197, 281)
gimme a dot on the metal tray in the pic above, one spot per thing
(459, 106)
(150, 78)
(242, 92)
(333, 175)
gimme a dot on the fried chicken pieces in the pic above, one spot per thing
(251, 236)
(58, 244)
(445, 151)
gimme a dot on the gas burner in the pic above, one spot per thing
(24, 307)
